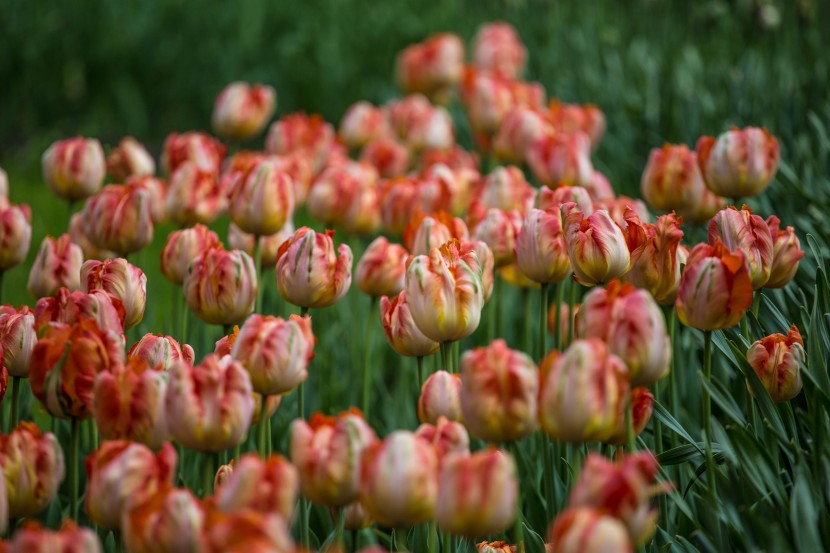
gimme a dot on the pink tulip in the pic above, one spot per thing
(554, 198)
(57, 265)
(520, 128)
(74, 168)
(32, 467)
(573, 118)
(440, 397)
(541, 251)
(121, 279)
(672, 180)
(169, 519)
(387, 155)
(425, 232)
(130, 158)
(69, 308)
(505, 188)
(182, 247)
(786, 254)
(309, 135)
(400, 329)
(587, 530)
(15, 235)
(740, 162)
(361, 124)
(200, 149)
(382, 268)
(262, 199)
(34, 538)
(743, 230)
(561, 158)
(242, 110)
(195, 195)
(420, 125)
(431, 67)
(221, 286)
(596, 246)
(158, 350)
(17, 340)
(446, 437)
(498, 48)
(777, 360)
(266, 485)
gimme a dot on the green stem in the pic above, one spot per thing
(269, 442)
(518, 531)
(367, 355)
(400, 539)
(547, 477)
(528, 332)
(119, 543)
(304, 534)
(341, 524)
(432, 537)
(263, 426)
(15, 415)
(420, 373)
(543, 321)
(571, 303)
(185, 315)
(557, 324)
(258, 268)
(707, 413)
(495, 311)
(208, 473)
(445, 356)
(2, 274)
(74, 468)
(629, 425)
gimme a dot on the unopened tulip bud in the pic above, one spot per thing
(596, 246)
(584, 392)
(786, 254)
(74, 168)
(541, 252)
(361, 124)
(119, 219)
(498, 229)
(262, 199)
(33, 468)
(209, 406)
(121, 279)
(265, 485)
(69, 308)
(572, 118)
(742, 230)
(642, 406)
(387, 155)
(309, 135)
(499, 387)
(159, 350)
(446, 437)
(420, 125)
(382, 268)
(17, 338)
(400, 329)
(34, 538)
(519, 130)
(777, 361)
(129, 158)
(200, 149)
(672, 180)
(223, 473)
(587, 530)
(196, 195)
(740, 163)
(169, 519)
(431, 67)
(15, 235)
(309, 273)
(268, 245)
(505, 188)
(57, 265)
(77, 234)
(440, 397)
(561, 158)
(498, 48)
(221, 286)
(242, 110)
(553, 198)
(182, 247)
(657, 257)
(356, 517)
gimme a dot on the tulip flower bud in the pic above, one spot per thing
(446, 437)
(656, 258)
(777, 361)
(78, 235)
(195, 195)
(387, 155)
(672, 180)
(622, 489)
(740, 162)
(631, 323)
(17, 340)
(496, 547)
(642, 406)
(242, 110)
(561, 158)
(487, 262)
(420, 125)
(220, 286)
(431, 67)
(488, 98)
(382, 268)
(309, 273)
(596, 246)
(520, 128)
(309, 135)
(587, 530)
(499, 387)
(440, 397)
(357, 518)
(34, 538)
(65, 362)
(262, 199)
(742, 230)
(584, 392)
(57, 265)
(130, 158)
(33, 469)
(505, 188)
(541, 252)
(119, 472)
(74, 168)
(361, 124)
(268, 245)
(327, 452)
(477, 494)
(200, 149)
(715, 290)
(182, 247)
(399, 480)
(425, 232)
(272, 403)
(573, 118)
(223, 473)
(275, 352)
(400, 329)
(209, 406)
(245, 530)
(444, 292)
(786, 254)
(15, 235)
(119, 219)
(498, 48)
(121, 279)
(129, 403)
(265, 485)
(554, 198)
(160, 350)
(169, 519)
(344, 194)
(498, 229)
(69, 308)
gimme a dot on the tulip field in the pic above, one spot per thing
(443, 319)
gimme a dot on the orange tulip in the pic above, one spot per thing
(309, 135)
(69, 308)
(541, 251)
(168, 520)
(561, 158)
(786, 254)
(425, 232)
(182, 247)
(740, 162)
(221, 286)
(520, 128)
(130, 158)
(777, 360)
(446, 437)
(498, 48)
(159, 350)
(196, 195)
(587, 530)
(596, 246)
(361, 124)
(261, 201)
(242, 110)
(672, 180)
(642, 406)
(431, 67)
(440, 397)
(200, 149)
(266, 485)
(743, 230)
(15, 235)
(33, 469)
(555, 197)
(400, 329)
(573, 118)
(119, 219)
(121, 279)
(34, 538)
(387, 155)
(382, 268)
(657, 255)
(74, 168)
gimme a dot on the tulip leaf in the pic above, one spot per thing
(803, 513)
(533, 541)
(724, 400)
(665, 417)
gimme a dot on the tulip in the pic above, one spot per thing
(130, 158)
(786, 254)
(561, 158)
(541, 252)
(709, 205)
(119, 472)
(657, 257)
(440, 397)
(272, 403)
(740, 162)
(672, 180)
(182, 247)
(456, 158)
(345, 195)
(209, 406)
(246, 531)
(425, 232)
(309, 135)
(642, 405)
(129, 403)
(498, 48)
(196, 195)
(200, 149)
(565, 319)
(420, 125)
(356, 518)
(600, 188)
(495, 547)
(160, 350)
(33, 469)
(121, 279)
(507, 189)
(520, 128)
(78, 235)
(743, 230)
(715, 290)
(777, 360)
(223, 474)
(119, 219)
(622, 489)
(444, 292)
(400, 329)
(327, 453)
(573, 118)
(587, 530)
(583, 394)
(156, 190)
(34, 538)
(631, 323)
(431, 67)
(361, 124)
(220, 286)
(499, 387)
(399, 201)
(596, 246)
(57, 265)
(15, 235)
(69, 308)
(241, 110)
(382, 268)
(399, 480)
(309, 273)
(387, 155)
(554, 197)
(265, 485)
(4, 184)
(477, 494)
(621, 209)
(262, 200)
(65, 362)
(488, 98)
(446, 437)
(17, 340)
(167, 521)
(268, 245)
(487, 263)
(275, 352)
(74, 168)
